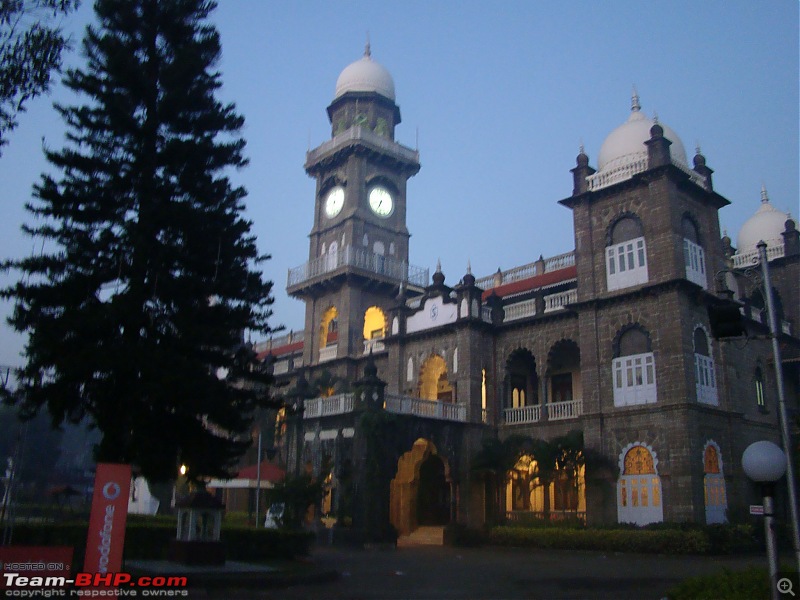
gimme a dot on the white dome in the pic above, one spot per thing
(767, 224)
(365, 75)
(626, 143)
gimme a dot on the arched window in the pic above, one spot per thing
(704, 369)
(758, 380)
(633, 369)
(374, 330)
(626, 254)
(329, 334)
(433, 382)
(693, 254)
(639, 487)
(716, 501)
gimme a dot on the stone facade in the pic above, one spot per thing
(612, 340)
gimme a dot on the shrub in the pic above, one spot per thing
(149, 538)
(666, 542)
(731, 585)
(458, 534)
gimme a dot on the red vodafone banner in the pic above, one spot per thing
(106, 537)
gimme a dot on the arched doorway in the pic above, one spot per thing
(433, 381)
(420, 491)
(433, 493)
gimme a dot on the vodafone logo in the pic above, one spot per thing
(111, 490)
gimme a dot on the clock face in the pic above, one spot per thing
(381, 201)
(334, 201)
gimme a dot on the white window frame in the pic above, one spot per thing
(695, 260)
(626, 264)
(634, 379)
(706, 380)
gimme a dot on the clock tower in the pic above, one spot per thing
(358, 245)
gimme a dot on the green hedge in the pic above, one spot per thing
(149, 540)
(731, 585)
(662, 542)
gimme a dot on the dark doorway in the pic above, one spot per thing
(433, 500)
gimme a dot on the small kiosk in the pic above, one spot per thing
(199, 524)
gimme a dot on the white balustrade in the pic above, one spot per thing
(520, 310)
(486, 314)
(751, 258)
(523, 414)
(559, 300)
(558, 411)
(554, 263)
(432, 409)
(374, 345)
(326, 407)
(328, 352)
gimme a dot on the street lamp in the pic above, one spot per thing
(765, 463)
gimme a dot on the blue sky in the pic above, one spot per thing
(500, 96)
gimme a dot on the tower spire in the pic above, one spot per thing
(367, 49)
(635, 106)
(764, 197)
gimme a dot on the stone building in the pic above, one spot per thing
(399, 379)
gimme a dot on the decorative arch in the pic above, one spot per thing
(564, 371)
(626, 340)
(329, 327)
(421, 488)
(690, 228)
(714, 493)
(625, 226)
(521, 379)
(374, 323)
(433, 381)
(639, 486)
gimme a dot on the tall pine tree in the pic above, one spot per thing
(136, 306)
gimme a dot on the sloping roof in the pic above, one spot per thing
(281, 350)
(532, 283)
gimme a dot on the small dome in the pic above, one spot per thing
(767, 224)
(365, 75)
(626, 143)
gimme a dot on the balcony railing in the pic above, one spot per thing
(363, 136)
(748, 259)
(328, 352)
(520, 310)
(523, 414)
(374, 345)
(559, 300)
(559, 411)
(630, 165)
(528, 516)
(325, 407)
(351, 256)
(554, 263)
(432, 409)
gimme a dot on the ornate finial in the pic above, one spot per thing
(367, 49)
(635, 106)
(725, 232)
(655, 118)
(469, 267)
(697, 148)
(764, 197)
(438, 265)
(581, 149)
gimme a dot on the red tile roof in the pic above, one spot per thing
(281, 350)
(532, 283)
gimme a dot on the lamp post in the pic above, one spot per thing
(783, 417)
(765, 463)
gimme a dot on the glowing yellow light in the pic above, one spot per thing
(183, 470)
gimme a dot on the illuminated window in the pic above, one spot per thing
(639, 488)
(374, 323)
(759, 382)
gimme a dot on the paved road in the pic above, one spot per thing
(440, 573)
